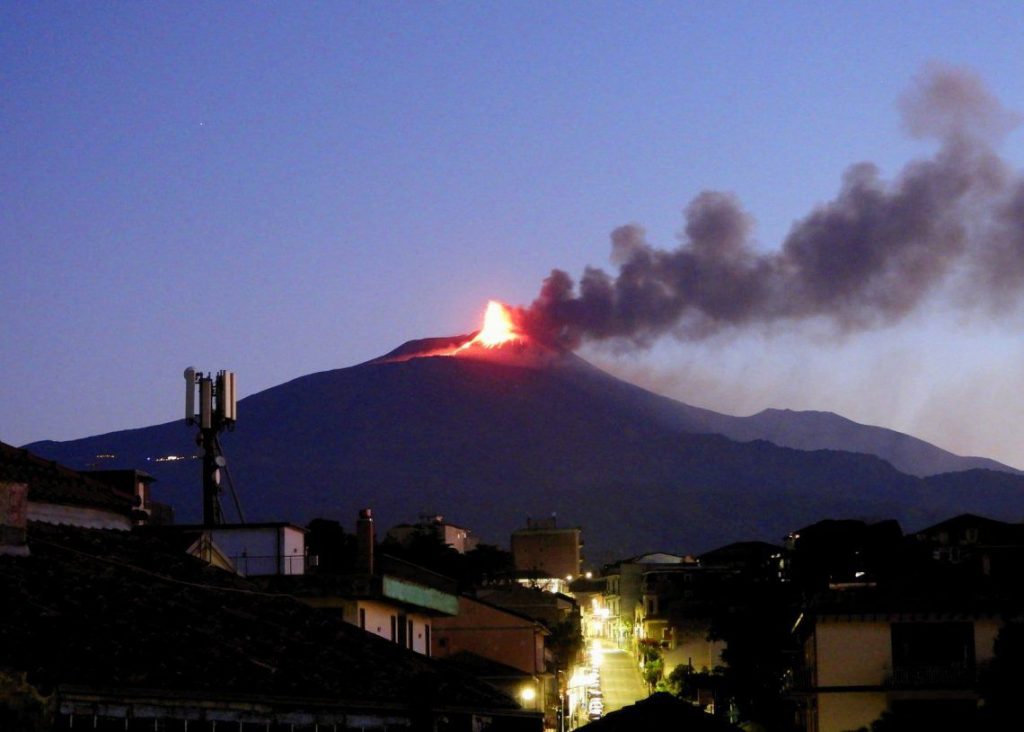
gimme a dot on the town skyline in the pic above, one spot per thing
(279, 193)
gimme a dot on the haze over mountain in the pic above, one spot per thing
(491, 436)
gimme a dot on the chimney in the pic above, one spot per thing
(13, 519)
(364, 542)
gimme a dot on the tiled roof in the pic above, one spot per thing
(49, 482)
(482, 667)
(117, 609)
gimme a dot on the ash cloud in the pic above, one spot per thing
(867, 258)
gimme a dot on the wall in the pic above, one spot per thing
(87, 518)
(693, 647)
(491, 633)
(263, 550)
(378, 617)
(555, 552)
(985, 632)
(294, 543)
(853, 653)
(841, 712)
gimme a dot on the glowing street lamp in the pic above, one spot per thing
(528, 694)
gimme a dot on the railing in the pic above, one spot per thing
(255, 565)
(942, 675)
(798, 679)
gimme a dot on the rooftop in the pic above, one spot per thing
(49, 482)
(120, 609)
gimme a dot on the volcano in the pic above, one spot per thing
(490, 433)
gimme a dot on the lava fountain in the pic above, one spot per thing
(498, 329)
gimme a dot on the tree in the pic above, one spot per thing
(334, 548)
(426, 548)
(755, 625)
(484, 563)
(651, 660)
(694, 686)
(1004, 679)
(22, 706)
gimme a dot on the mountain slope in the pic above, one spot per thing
(488, 443)
(801, 430)
(811, 430)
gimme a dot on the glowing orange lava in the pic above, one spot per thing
(498, 328)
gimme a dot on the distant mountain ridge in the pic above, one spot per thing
(814, 430)
(817, 430)
(488, 441)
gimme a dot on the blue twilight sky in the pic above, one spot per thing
(283, 188)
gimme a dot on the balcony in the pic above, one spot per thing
(798, 680)
(949, 675)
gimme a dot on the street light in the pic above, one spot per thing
(528, 694)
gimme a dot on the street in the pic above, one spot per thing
(620, 678)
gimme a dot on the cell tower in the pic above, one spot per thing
(217, 412)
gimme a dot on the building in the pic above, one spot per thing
(384, 596)
(503, 636)
(589, 595)
(252, 550)
(50, 493)
(866, 650)
(547, 550)
(493, 632)
(458, 538)
(624, 591)
(136, 483)
(676, 612)
(135, 636)
(757, 561)
(119, 628)
(981, 545)
(550, 608)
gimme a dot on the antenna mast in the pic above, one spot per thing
(217, 412)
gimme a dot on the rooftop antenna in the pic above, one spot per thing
(217, 412)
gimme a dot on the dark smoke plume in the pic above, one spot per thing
(866, 258)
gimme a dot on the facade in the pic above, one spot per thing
(503, 636)
(249, 550)
(985, 546)
(550, 608)
(262, 549)
(493, 632)
(589, 595)
(623, 590)
(388, 606)
(545, 549)
(138, 484)
(676, 611)
(384, 596)
(863, 655)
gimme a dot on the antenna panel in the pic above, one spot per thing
(206, 403)
(190, 395)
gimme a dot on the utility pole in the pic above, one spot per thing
(217, 412)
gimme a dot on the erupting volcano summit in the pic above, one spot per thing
(501, 339)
